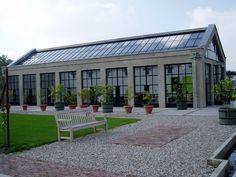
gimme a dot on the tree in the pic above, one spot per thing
(4, 61)
(230, 74)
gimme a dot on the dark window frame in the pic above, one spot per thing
(121, 100)
(69, 84)
(46, 81)
(29, 89)
(97, 78)
(172, 99)
(138, 95)
(13, 87)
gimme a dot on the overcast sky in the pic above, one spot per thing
(27, 24)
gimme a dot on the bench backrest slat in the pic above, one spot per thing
(73, 117)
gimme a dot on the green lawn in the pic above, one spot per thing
(27, 131)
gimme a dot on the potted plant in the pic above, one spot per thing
(71, 101)
(147, 99)
(181, 102)
(225, 90)
(129, 95)
(43, 105)
(57, 93)
(25, 103)
(84, 95)
(106, 98)
(234, 97)
(94, 93)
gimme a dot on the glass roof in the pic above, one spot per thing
(117, 48)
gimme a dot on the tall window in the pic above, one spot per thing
(118, 78)
(173, 74)
(13, 86)
(208, 83)
(90, 78)
(68, 80)
(146, 79)
(47, 80)
(29, 87)
(215, 74)
(222, 73)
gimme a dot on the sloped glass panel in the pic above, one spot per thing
(126, 49)
(148, 44)
(120, 48)
(141, 44)
(160, 46)
(155, 44)
(174, 44)
(182, 43)
(96, 53)
(190, 43)
(116, 48)
(196, 42)
(201, 35)
(194, 35)
(167, 45)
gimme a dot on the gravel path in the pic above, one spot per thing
(185, 156)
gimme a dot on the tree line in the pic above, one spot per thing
(4, 61)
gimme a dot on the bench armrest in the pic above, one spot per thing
(105, 117)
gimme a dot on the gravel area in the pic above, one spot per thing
(185, 156)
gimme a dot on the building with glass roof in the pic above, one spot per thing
(151, 62)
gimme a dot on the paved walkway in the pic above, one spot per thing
(166, 143)
(25, 167)
(137, 112)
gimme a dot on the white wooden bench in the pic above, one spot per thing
(73, 120)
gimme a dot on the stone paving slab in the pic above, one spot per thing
(154, 137)
(18, 166)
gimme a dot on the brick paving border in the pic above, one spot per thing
(154, 137)
(18, 166)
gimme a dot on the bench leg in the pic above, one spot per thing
(106, 127)
(58, 135)
(71, 135)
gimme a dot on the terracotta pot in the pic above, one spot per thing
(128, 109)
(83, 106)
(148, 109)
(95, 108)
(43, 107)
(72, 106)
(24, 107)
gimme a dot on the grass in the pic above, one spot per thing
(27, 131)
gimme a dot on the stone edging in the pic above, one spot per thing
(217, 160)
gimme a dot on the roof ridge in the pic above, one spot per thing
(124, 39)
